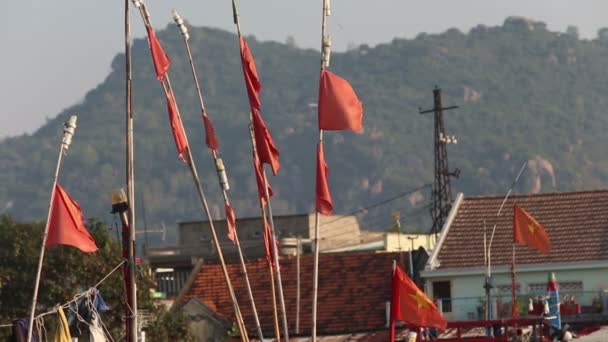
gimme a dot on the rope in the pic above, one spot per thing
(77, 297)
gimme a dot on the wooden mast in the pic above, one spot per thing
(221, 171)
(274, 250)
(166, 84)
(325, 55)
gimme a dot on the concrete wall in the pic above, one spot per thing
(393, 241)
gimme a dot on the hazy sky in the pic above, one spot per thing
(53, 52)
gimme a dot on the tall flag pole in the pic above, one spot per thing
(339, 109)
(68, 131)
(129, 267)
(213, 145)
(267, 233)
(161, 66)
(265, 152)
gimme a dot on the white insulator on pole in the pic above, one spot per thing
(221, 173)
(68, 131)
(180, 23)
(327, 7)
(326, 50)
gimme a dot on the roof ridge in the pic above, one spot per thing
(542, 194)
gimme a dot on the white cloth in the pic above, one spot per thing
(97, 334)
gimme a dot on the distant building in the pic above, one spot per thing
(338, 233)
(577, 225)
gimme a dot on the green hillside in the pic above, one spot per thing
(525, 93)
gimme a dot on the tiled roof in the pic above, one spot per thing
(353, 290)
(576, 222)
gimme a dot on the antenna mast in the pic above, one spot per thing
(442, 190)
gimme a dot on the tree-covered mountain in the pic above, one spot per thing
(525, 93)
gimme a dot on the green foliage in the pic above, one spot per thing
(523, 92)
(67, 272)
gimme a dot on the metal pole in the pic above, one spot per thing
(68, 132)
(488, 281)
(131, 290)
(222, 178)
(513, 287)
(325, 45)
(298, 245)
(411, 253)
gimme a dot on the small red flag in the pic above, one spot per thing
(339, 107)
(267, 150)
(527, 231)
(324, 203)
(66, 223)
(231, 222)
(159, 56)
(210, 138)
(252, 81)
(181, 141)
(409, 304)
(259, 179)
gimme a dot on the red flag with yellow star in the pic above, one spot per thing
(410, 305)
(527, 231)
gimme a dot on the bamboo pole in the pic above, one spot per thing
(265, 222)
(130, 284)
(222, 178)
(199, 187)
(325, 46)
(68, 131)
(166, 84)
(269, 206)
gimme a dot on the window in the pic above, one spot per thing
(564, 286)
(442, 290)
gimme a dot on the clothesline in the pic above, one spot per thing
(75, 298)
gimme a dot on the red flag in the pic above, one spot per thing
(527, 231)
(409, 304)
(267, 150)
(252, 81)
(259, 179)
(324, 203)
(66, 223)
(339, 107)
(210, 138)
(181, 142)
(231, 222)
(159, 56)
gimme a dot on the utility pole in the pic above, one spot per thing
(412, 273)
(442, 190)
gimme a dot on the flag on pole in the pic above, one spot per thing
(339, 107)
(527, 231)
(409, 304)
(210, 137)
(267, 150)
(252, 81)
(159, 56)
(181, 141)
(66, 223)
(259, 179)
(324, 204)
(231, 222)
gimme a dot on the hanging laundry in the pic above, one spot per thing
(19, 330)
(85, 307)
(96, 330)
(62, 334)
